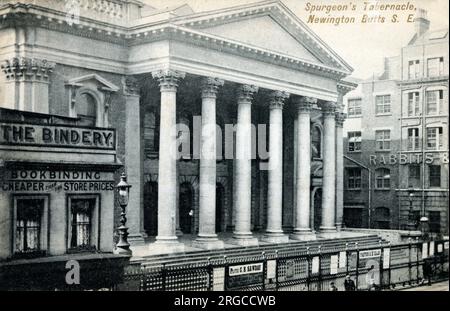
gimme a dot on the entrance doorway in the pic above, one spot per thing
(151, 208)
(220, 196)
(317, 209)
(186, 207)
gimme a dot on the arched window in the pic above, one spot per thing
(185, 136)
(383, 178)
(316, 142)
(382, 217)
(151, 133)
(86, 107)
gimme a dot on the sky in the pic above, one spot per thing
(362, 45)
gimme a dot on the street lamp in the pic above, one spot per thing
(424, 228)
(123, 190)
(411, 222)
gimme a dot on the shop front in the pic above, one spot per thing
(57, 182)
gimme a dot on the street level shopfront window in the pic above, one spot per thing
(382, 218)
(30, 230)
(414, 175)
(383, 179)
(434, 175)
(82, 223)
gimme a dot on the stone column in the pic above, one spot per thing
(134, 161)
(242, 232)
(329, 168)
(340, 118)
(274, 232)
(167, 241)
(26, 84)
(302, 228)
(207, 237)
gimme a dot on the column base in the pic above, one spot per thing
(208, 242)
(244, 239)
(338, 226)
(303, 235)
(275, 237)
(179, 232)
(137, 239)
(166, 245)
(329, 233)
(328, 229)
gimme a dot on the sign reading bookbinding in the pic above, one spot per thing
(62, 136)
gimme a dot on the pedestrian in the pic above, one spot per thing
(333, 287)
(349, 284)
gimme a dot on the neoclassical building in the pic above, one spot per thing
(151, 75)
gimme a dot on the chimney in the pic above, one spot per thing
(421, 23)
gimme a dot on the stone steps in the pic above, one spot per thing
(256, 251)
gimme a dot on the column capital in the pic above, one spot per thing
(340, 118)
(210, 87)
(328, 109)
(277, 99)
(130, 86)
(246, 92)
(168, 79)
(304, 104)
(25, 68)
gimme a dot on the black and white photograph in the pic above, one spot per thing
(224, 146)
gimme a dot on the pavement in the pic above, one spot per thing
(435, 287)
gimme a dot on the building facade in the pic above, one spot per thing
(168, 83)
(396, 139)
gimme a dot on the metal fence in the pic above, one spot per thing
(371, 268)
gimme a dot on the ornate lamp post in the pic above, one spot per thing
(123, 189)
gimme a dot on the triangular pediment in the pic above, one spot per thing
(94, 79)
(269, 25)
(263, 32)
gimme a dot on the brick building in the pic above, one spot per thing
(396, 141)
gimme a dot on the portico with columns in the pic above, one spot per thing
(212, 67)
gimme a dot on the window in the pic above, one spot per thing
(413, 69)
(413, 104)
(435, 221)
(354, 107)
(434, 175)
(383, 178)
(316, 142)
(413, 139)
(414, 175)
(383, 104)
(354, 178)
(383, 139)
(151, 133)
(434, 138)
(184, 137)
(354, 141)
(382, 218)
(435, 67)
(434, 101)
(86, 110)
(83, 211)
(30, 230)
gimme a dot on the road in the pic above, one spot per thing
(436, 287)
